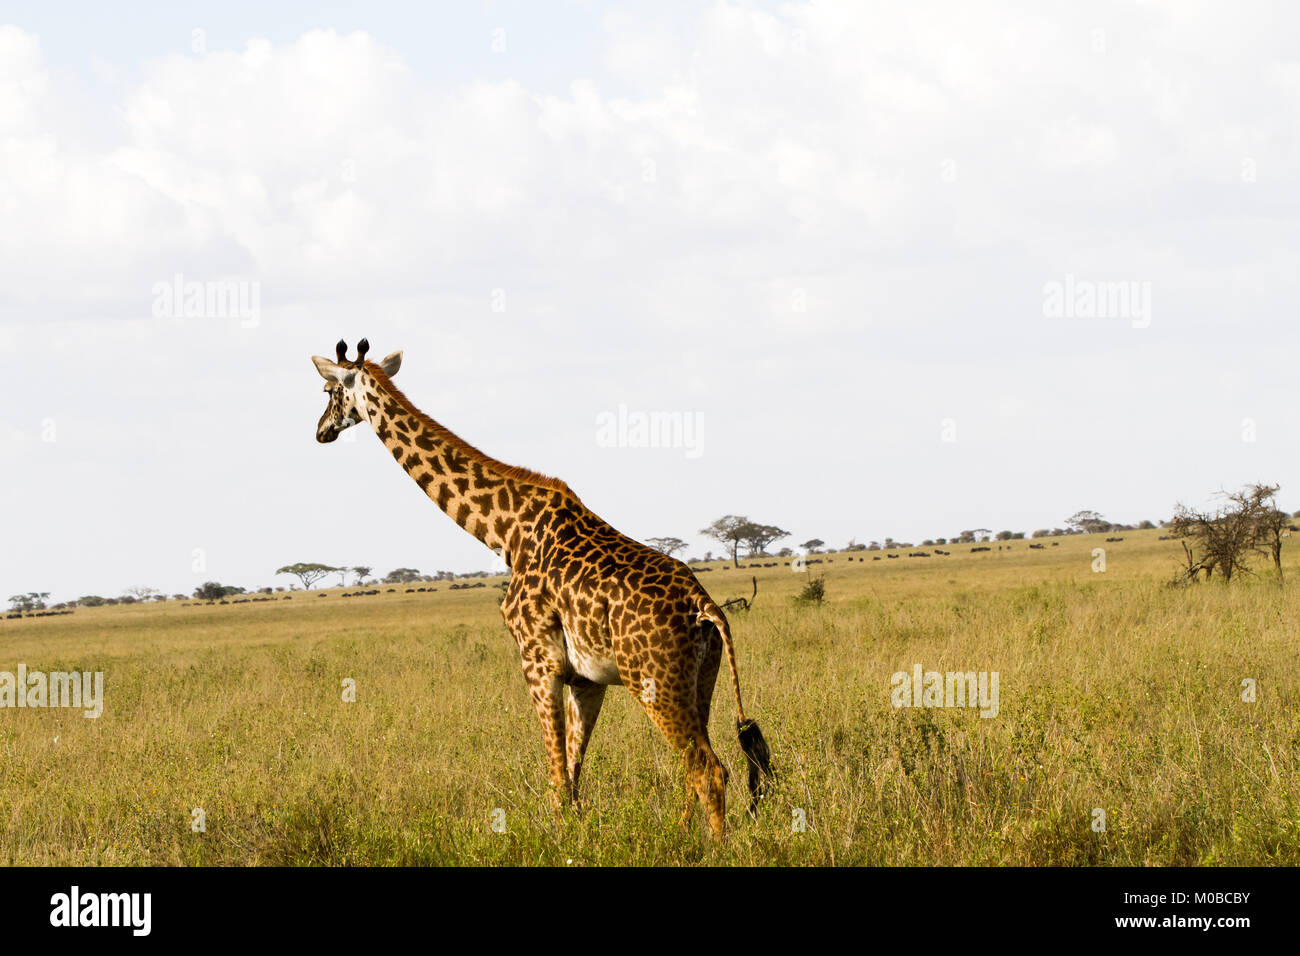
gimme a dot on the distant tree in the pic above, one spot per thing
(758, 536)
(666, 546)
(401, 576)
(1087, 522)
(140, 592)
(308, 574)
(1004, 535)
(813, 545)
(215, 591)
(729, 531)
(90, 600)
(31, 601)
(362, 572)
(1145, 526)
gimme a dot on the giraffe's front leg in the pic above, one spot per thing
(547, 690)
(541, 651)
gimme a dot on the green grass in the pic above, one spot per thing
(1116, 693)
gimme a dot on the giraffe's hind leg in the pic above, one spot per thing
(709, 662)
(585, 698)
(711, 641)
(708, 778)
(706, 781)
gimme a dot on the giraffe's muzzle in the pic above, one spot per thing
(326, 429)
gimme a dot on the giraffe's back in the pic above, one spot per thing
(627, 611)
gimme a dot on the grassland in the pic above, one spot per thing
(1116, 693)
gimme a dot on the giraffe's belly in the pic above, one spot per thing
(595, 664)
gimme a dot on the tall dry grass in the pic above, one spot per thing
(1116, 694)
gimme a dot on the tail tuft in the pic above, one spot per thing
(759, 759)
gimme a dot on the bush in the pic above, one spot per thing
(814, 591)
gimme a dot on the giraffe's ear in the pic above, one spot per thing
(328, 370)
(391, 364)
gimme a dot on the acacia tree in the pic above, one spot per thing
(31, 601)
(1271, 523)
(140, 592)
(308, 574)
(402, 576)
(362, 572)
(1246, 521)
(758, 536)
(1088, 522)
(666, 545)
(729, 530)
(215, 591)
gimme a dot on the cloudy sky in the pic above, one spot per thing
(898, 269)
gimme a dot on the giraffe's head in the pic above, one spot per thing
(343, 385)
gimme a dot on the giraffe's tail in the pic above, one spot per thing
(752, 744)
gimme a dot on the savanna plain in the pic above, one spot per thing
(1117, 693)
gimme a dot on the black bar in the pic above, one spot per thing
(941, 906)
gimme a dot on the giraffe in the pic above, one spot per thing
(587, 606)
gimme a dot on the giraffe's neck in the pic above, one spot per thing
(488, 499)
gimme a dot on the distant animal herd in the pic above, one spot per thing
(875, 557)
(256, 599)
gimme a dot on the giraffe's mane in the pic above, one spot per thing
(513, 472)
